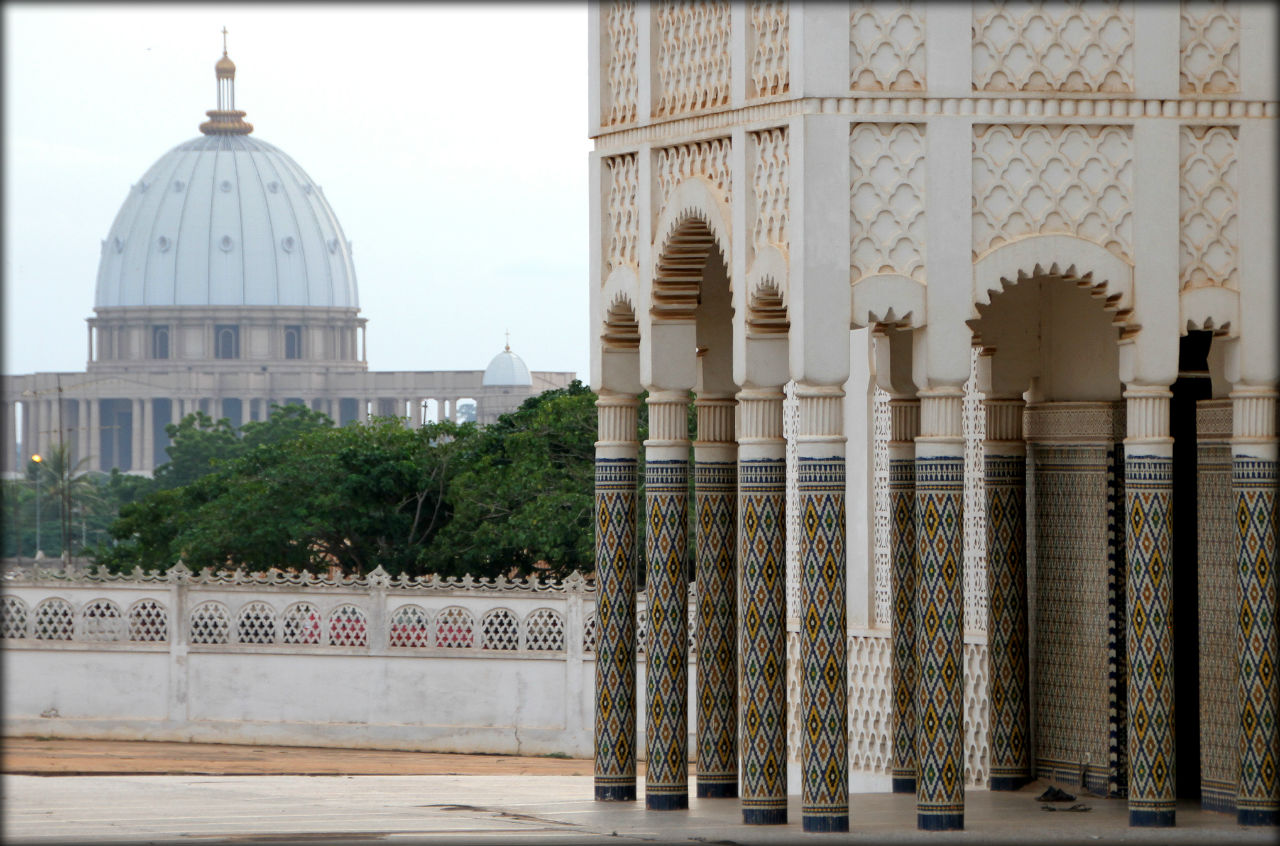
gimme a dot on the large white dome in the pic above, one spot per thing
(225, 219)
(507, 368)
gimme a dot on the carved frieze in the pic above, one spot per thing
(622, 44)
(1209, 198)
(1210, 47)
(886, 200)
(623, 213)
(769, 188)
(770, 54)
(693, 56)
(1039, 46)
(886, 47)
(1065, 179)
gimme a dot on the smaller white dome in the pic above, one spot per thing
(507, 368)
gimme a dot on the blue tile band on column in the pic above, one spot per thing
(1006, 487)
(667, 649)
(940, 644)
(902, 587)
(1148, 504)
(824, 721)
(762, 537)
(615, 738)
(1258, 796)
(715, 493)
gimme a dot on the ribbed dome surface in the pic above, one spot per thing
(226, 220)
(507, 368)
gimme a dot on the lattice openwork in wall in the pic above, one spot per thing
(300, 624)
(148, 622)
(455, 628)
(13, 618)
(544, 631)
(54, 620)
(256, 623)
(500, 630)
(348, 626)
(410, 627)
(210, 623)
(589, 633)
(101, 620)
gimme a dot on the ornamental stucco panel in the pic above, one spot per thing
(1210, 48)
(886, 200)
(770, 48)
(1038, 180)
(886, 47)
(770, 179)
(706, 159)
(1068, 47)
(693, 56)
(623, 214)
(1209, 199)
(622, 89)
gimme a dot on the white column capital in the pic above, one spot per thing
(1147, 418)
(1253, 421)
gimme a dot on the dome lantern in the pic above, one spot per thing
(225, 119)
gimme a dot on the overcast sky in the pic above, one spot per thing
(450, 142)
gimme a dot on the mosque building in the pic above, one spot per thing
(225, 285)
(976, 307)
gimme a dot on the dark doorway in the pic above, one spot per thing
(1193, 384)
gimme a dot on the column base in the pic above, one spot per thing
(667, 801)
(1258, 816)
(1151, 819)
(905, 785)
(1008, 782)
(764, 816)
(718, 789)
(825, 822)
(614, 792)
(940, 822)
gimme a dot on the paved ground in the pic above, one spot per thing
(463, 799)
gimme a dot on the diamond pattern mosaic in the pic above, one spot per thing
(763, 709)
(824, 660)
(615, 632)
(716, 491)
(1219, 611)
(1148, 499)
(667, 656)
(939, 643)
(1254, 482)
(902, 544)
(1007, 631)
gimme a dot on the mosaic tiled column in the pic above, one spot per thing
(824, 721)
(940, 612)
(666, 478)
(1148, 482)
(715, 507)
(904, 422)
(1005, 471)
(762, 709)
(1253, 482)
(615, 503)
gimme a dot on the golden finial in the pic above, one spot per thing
(225, 119)
(224, 41)
(508, 347)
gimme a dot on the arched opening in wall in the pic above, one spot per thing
(1051, 338)
(432, 411)
(115, 434)
(348, 411)
(466, 410)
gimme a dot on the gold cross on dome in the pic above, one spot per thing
(224, 41)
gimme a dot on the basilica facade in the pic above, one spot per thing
(976, 305)
(226, 285)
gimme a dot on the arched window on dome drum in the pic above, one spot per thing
(293, 342)
(226, 341)
(159, 341)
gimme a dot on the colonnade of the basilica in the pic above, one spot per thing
(129, 433)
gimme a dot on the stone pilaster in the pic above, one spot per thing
(1148, 480)
(762, 714)
(904, 423)
(824, 671)
(715, 507)
(1005, 471)
(1253, 482)
(615, 503)
(666, 475)
(763, 599)
(940, 612)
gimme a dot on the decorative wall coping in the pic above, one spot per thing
(575, 582)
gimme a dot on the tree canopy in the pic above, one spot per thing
(296, 492)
